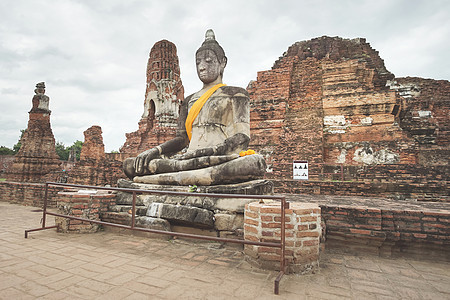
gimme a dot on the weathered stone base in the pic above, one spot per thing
(222, 217)
(253, 187)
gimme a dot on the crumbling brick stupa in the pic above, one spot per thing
(95, 166)
(332, 102)
(163, 95)
(37, 156)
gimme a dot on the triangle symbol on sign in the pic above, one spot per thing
(304, 174)
(295, 167)
(300, 167)
(306, 167)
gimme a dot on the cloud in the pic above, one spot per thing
(93, 54)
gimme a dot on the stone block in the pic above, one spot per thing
(228, 222)
(182, 214)
(152, 223)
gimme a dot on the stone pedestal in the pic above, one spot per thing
(82, 204)
(195, 213)
(262, 222)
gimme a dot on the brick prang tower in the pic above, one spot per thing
(163, 95)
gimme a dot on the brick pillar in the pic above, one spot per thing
(262, 222)
(81, 204)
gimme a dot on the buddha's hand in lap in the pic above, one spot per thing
(143, 159)
(197, 153)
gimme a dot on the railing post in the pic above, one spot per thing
(44, 211)
(283, 234)
(283, 263)
(133, 211)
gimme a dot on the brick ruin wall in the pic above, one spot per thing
(332, 102)
(28, 194)
(95, 166)
(387, 232)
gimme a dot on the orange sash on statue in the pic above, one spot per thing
(197, 107)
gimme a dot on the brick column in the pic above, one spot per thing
(82, 205)
(262, 222)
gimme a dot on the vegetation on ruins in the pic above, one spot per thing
(64, 152)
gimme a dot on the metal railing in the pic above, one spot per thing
(281, 244)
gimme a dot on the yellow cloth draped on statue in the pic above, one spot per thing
(197, 107)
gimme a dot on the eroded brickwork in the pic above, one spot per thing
(332, 102)
(37, 155)
(163, 95)
(262, 222)
(81, 204)
(95, 166)
(425, 116)
(5, 163)
(28, 194)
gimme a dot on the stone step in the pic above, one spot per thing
(140, 210)
(178, 214)
(124, 218)
(184, 215)
(232, 205)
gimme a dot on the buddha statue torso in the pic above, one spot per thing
(225, 114)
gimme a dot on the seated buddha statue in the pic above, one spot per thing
(214, 125)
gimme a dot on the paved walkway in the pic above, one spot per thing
(106, 265)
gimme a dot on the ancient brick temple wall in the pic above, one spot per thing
(6, 162)
(282, 105)
(163, 96)
(95, 166)
(28, 194)
(360, 126)
(332, 102)
(387, 231)
(424, 116)
(37, 155)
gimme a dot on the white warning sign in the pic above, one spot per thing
(300, 169)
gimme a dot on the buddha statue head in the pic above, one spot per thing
(210, 59)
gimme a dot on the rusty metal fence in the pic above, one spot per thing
(282, 244)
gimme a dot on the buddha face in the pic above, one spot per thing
(209, 68)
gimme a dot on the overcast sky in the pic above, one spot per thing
(93, 55)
